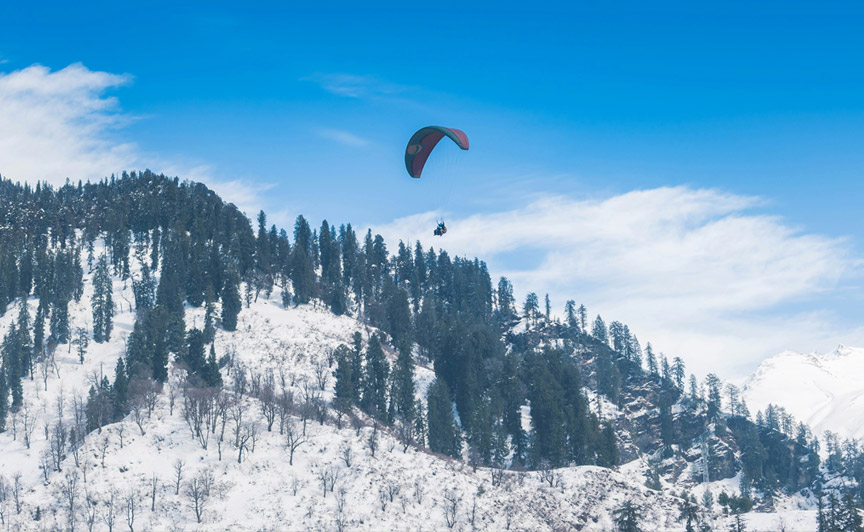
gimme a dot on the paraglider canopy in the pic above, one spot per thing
(424, 141)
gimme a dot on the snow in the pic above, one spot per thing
(825, 391)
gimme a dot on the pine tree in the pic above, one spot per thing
(627, 517)
(402, 395)
(102, 302)
(231, 304)
(599, 331)
(505, 300)
(651, 359)
(59, 323)
(851, 515)
(120, 391)
(193, 356)
(209, 311)
(583, 319)
(442, 433)
(398, 314)
(24, 340)
(678, 373)
(531, 307)
(38, 334)
(211, 375)
(12, 370)
(82, 340)
(374, 383)
(570, 314)
(345, 389)
(4, 400)
(712, 382)
(302, 269)
(144, 290)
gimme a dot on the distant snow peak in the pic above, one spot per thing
(823, 390)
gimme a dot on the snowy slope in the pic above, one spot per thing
(826, 391)
(394, 489)
(336, 481)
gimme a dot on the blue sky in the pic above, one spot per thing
(588, 106)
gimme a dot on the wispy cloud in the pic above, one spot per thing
(355, 86)
(61, 124)
(343, 137)
(687, 268)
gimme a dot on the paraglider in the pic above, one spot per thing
(441, 229)
(424, 141)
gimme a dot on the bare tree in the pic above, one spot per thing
(197, 412)
(328, 476)
(151, 396)
(172, 396)
(45, 372)
(509, 510)
(69, 492)
(346, 453)
(341, 520)
(130, 505)
(382, 498)
(45, 465)
(240, 382)
(121, 430)
(254, 383)
(294, 438)
(198, 492)
(322, 374)
(286, 407)
(154, 483)
(419, 491)
(17, 487)
(4, 497)
(13, 420)
(29, 422)
(91, 509)
(178, 475)
(247, 438)
(269, 404)
(86, 466)
(223, 404)
(392, 489)
(104, 443)
(237, 412)
(497, 475)
(473, 515)
(451, 507)
(109, 514)
(57, 444)
(548, 475)
(372, 441)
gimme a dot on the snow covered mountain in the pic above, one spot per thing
(270, 432)
(825, 391)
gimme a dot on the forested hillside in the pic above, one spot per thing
(444, 359)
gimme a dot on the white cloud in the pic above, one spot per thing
(60, 124)
(343, 137)
(686, 268)
(55, 125)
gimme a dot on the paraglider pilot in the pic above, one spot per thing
(441, 229)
